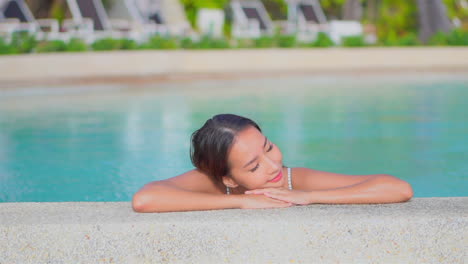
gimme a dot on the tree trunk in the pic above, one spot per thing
(352, 10)
(372, 10)
(432, 19)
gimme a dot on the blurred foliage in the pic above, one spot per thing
(111, 44)
(286, 41)
(76, 45)
(192, 6)
(108, 3)
(25, 43)
(455, 9)
(277, 40)
(160, 42)
(264, 42)
(5, 48)
(128, 44)
(244, 43)
(187, 43)
(22, 42)
(227, 29)
(51, 46)
(58, 11)
(456, 37)
(409, 39)
(396, 18)
(211, 43)
(332, 8)
(322, 41)
(353, 41)
(106, 44)
(396, 23)
(205, 42)
(277, 9)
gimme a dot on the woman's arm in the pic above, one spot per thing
(322, 187)
(162, 197)
(376, 189)
(193, 191)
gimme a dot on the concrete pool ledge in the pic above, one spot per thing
(424, 230)
(156, 65)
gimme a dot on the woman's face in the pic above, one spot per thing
(255, 161)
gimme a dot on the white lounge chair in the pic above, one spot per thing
(175, 18)
(167, 15)
(210, 22)
(339, 29)
(144, 17)
(15, 16)
(250, 19)
(306, 19)
(91, 22)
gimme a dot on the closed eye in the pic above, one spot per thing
(255, 168)
(270, 148)
(258, 164)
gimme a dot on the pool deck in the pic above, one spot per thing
(424, 230)
(157, 66)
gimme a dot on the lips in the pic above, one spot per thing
(277, 178)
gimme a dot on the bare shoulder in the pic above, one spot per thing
(310, 179)
(193, 180)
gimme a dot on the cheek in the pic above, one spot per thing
(276, 154)
(251, 180)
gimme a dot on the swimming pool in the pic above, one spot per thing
(77, 145)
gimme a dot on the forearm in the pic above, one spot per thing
(170, 199)
(379, 189)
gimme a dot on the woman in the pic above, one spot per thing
(238, 167)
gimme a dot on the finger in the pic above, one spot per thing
(279, 197)
(261, 191)
(256, 191)
(278, 201)
(277, 205)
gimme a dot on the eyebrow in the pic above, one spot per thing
(256, 157)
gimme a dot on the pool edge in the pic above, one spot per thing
(422, 230)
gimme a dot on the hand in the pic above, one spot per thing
(261, 201)
(283, 194)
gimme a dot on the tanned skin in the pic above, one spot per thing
(258, 180)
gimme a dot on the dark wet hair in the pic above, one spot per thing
(212, 142)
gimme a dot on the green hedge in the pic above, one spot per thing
(5, 48)
(409, 39)
(76, 45)
(51, 46)
(322, 41)
(160, 42)
(457, 37)
(353, 41)
(21, 43)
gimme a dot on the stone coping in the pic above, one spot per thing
(424, 230)
(163, 65)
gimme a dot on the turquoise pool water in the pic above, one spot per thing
(71, 144)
